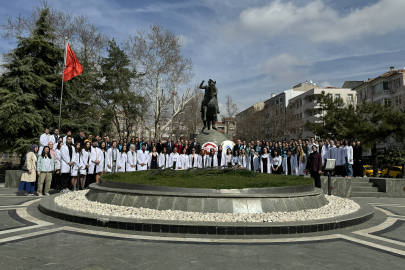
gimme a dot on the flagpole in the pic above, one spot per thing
(63, 73)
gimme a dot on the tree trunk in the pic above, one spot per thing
(374, 159)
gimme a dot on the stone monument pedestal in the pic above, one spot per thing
(210, 136)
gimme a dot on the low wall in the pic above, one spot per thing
(12, 177)
(341, 186)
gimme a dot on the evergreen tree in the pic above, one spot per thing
(28, 89)
(368, 122)
(120, 104)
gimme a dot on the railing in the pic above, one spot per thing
(385, 92)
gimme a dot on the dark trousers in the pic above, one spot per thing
(90, 179)
(317, 178)
(358, 168)
(64, 180)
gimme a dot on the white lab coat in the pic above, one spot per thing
(213, 160)
(202, 161)
(300, 166)
(55, 144)
(172, 158)
(43, 141)
(269, 162)
(78, 164)
(349, 153)
(293, 165)
(131, 160)
(109, 160)
(243, 161)
(310, 148)
(324, 154)
(95, 154)
(162, 162)
(65, 158)
(184, 162)
(123, 162)
(255, 167)
(58, 157)
(142, 158)
(226, 160)
(86, 161)
(196, 160)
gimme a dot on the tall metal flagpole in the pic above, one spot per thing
(63, 73)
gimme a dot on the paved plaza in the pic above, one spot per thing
(32, 240)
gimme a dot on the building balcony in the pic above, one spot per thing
(382, 94)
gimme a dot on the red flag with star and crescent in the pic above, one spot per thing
(73, 66)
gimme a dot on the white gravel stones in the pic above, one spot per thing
(78, 201)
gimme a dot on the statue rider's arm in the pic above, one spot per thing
(201, 85)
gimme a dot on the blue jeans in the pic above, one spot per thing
(349, 169)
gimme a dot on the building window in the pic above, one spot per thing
(300, 103)
(380, 87)
(337, 96)
(363, 94)
(387, 102)
(397, 83)
(350, 97)
(300, 115)
(330, 96)
(281, 100)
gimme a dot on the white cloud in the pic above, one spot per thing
(286, 67)
(317, 21)
(185, 40)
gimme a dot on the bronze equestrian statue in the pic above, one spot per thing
(209, 106)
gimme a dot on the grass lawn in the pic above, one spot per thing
(218, 179)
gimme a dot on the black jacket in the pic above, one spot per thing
(169, 148)
(197, 147)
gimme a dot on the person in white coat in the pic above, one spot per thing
(243, 159)
(112, 159)
(131, 159)
(221, 159)
(164, 159)
(67, 160)
(174, 160)
(86, 152)
(202, 159)
(55, 138)
(153, 159)
(142, 158)
(340, 160)
(289, 164)
(349, 159)
(58, 161)
(184, 160)
(265, 161)
(96, 162)
(229, 158)
(77, 165)
(300, 161)
(68, 133)
(193, 159)
(276, 163)
(211, 160)
(123, 159)
(324, 152)
(253, 160)
(332, 151)
(44, 140)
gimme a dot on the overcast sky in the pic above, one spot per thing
(255, 48)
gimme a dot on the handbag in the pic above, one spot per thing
(24, 168)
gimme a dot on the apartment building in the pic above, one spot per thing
(249, 123)
(305, 107)
(275, 110)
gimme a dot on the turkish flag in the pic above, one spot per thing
(73, 66)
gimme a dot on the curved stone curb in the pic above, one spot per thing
(365, 213)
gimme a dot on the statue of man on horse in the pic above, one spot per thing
(209, 106)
